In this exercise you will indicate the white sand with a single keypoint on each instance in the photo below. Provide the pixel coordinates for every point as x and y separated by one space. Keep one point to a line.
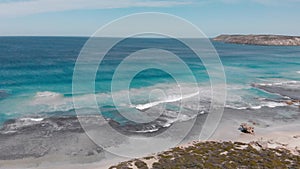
283 134
286 136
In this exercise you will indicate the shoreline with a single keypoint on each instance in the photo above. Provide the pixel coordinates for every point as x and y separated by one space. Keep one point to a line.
272 128
283 137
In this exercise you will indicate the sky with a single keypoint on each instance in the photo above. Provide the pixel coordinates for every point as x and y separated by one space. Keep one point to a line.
84 17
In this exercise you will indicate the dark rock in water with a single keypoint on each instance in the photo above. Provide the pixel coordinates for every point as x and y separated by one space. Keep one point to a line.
276 40
63 135
3 94
51 124
288 89
146 129
38 137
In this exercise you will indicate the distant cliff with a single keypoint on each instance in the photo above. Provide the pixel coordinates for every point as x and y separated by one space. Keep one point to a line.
276 40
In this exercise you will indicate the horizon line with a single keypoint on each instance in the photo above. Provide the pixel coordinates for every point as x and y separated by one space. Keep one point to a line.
152 37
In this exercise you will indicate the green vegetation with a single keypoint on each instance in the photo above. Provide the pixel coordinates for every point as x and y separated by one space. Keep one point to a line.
140 164
149 157
223 155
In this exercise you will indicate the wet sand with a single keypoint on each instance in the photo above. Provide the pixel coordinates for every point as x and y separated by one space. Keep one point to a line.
70 147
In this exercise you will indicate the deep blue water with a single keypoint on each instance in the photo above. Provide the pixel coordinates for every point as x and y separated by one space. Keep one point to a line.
36 73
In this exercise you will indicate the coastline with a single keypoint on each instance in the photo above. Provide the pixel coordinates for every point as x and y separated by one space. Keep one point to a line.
270 130
52 140
281 137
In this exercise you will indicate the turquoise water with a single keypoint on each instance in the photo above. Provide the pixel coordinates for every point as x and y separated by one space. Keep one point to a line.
36 75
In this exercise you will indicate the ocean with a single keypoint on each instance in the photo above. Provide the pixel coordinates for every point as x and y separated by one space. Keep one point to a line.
36 79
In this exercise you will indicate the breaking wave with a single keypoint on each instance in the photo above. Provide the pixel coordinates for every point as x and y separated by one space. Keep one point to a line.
270 104
168 100
47 94
239 97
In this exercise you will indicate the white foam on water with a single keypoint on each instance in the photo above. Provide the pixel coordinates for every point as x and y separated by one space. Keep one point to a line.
47 94
237 98
47 98
148 131
235 107
279 83
202 112
168 100
298 72
8 132
32 119
50 101
274 104
263 103
23 122
256 107
180 117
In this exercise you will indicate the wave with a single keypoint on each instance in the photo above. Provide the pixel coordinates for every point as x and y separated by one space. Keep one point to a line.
48 102
298 72
14 125
171 99
239 97
47 94
147 131
275 104
265 103
30 124
31 119
43 102
280 83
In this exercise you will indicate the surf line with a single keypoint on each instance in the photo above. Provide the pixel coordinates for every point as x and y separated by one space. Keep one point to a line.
142 107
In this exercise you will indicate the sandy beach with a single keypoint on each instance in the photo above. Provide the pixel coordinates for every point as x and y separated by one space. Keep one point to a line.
161 84
272 130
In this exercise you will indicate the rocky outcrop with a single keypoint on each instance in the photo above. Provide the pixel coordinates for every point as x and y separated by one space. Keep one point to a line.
247 128
52 136
271 40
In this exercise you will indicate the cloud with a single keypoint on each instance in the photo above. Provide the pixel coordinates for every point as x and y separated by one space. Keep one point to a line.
276 2
9 8
263 2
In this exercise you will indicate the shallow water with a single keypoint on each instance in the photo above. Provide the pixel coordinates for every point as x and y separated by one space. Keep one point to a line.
36 79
